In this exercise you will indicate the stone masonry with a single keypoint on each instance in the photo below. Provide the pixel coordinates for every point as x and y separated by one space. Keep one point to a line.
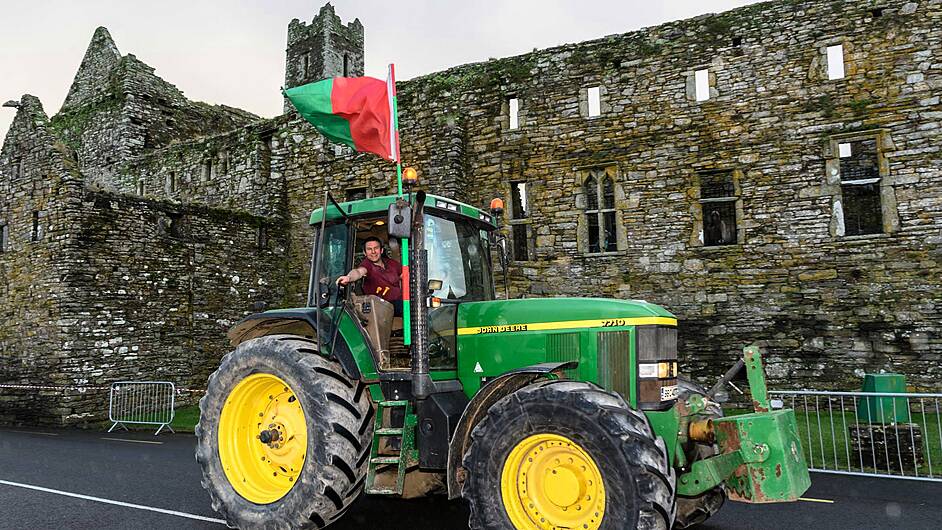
770 174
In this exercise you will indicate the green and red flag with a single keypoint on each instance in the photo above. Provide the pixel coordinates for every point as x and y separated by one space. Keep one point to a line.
355 111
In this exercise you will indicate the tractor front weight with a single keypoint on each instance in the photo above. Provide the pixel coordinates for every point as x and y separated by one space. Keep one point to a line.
760 456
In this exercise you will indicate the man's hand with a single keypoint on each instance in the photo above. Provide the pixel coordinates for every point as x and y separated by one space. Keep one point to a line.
344 280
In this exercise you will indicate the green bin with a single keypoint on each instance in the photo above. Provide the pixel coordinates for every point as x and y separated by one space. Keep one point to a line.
883 409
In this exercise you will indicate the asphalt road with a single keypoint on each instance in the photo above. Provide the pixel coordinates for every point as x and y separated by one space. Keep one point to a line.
121 480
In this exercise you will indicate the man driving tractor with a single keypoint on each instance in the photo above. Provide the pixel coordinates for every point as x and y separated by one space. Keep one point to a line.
383 275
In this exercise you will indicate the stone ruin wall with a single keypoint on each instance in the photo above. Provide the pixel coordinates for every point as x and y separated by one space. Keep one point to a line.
234 171
825 307
154 286
35 203
116 286
117 109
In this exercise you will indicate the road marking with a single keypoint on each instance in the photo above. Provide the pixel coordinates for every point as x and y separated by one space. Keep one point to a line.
132 441
116 503
809 499
36 432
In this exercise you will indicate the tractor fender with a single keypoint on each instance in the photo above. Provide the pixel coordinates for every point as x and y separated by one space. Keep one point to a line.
491 393
301 322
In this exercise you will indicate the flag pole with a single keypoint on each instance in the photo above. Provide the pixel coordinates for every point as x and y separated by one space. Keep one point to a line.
394 126
404 244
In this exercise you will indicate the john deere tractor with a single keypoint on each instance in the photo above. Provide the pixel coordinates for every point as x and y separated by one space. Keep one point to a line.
540 413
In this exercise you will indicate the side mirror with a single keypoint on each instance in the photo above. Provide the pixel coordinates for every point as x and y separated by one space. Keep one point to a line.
400 219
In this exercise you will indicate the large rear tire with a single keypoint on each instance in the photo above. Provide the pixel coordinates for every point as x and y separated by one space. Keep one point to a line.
284 436
566 454
692 511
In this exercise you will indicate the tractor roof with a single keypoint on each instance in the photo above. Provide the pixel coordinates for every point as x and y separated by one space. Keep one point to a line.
375 205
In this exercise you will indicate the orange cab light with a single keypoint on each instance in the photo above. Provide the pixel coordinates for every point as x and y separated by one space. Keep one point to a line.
410 175
497 204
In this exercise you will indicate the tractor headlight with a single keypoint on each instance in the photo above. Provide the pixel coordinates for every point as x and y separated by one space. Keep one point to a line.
656 350
661 370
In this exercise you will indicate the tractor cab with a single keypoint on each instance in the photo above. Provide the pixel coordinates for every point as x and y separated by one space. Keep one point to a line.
457 240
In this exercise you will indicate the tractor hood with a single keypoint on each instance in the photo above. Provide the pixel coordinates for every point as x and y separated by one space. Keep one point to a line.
503 335
542 314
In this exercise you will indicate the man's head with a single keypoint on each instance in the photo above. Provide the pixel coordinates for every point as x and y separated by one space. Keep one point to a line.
373 248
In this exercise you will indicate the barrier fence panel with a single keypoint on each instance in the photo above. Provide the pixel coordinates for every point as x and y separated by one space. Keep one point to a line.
142 402
884 434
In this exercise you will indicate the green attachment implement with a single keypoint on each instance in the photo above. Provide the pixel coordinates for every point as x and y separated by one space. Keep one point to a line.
755 373
760 456
405 456
774 468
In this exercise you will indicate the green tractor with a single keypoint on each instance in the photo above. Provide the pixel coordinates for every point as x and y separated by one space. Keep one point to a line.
540 413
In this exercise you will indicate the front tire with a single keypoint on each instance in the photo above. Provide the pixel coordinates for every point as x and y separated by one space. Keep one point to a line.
284 436
567 454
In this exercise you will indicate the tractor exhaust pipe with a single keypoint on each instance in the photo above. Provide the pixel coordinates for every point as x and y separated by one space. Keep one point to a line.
422 385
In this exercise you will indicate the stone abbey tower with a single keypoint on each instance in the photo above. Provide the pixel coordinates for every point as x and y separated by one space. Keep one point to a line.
323 49
771 174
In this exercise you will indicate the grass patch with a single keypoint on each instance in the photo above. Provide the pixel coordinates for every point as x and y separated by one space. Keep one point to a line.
186 418
828 444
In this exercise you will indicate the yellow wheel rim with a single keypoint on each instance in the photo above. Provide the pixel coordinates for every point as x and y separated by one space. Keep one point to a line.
548 481
262 438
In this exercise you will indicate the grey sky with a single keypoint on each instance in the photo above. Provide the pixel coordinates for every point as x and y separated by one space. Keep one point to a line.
232 52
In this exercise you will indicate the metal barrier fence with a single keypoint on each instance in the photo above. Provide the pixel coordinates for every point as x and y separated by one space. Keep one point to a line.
896 435
142 402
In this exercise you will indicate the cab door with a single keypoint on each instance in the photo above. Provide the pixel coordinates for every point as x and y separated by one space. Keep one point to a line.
331 259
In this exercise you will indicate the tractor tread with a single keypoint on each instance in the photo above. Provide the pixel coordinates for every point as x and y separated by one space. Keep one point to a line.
572 407
334 408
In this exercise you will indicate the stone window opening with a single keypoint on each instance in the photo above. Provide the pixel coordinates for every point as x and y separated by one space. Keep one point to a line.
835 57
36 233
876 12
520 220
355 194
224 163
261 239
594 100
4 237
601 216
264 156
719 204
513 105
17 167
305 66
177 226
140 187
737 41
171 182
863 199
346 65
702 84
860 187
207 170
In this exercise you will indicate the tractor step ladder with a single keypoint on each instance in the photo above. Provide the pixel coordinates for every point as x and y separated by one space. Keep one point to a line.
407 454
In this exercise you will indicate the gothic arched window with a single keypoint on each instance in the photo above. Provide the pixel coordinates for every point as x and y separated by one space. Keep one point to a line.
600 211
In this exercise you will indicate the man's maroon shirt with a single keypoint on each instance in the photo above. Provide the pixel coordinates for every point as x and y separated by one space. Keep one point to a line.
382 282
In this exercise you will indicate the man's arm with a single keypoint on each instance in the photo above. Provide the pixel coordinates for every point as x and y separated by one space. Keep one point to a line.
352 276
